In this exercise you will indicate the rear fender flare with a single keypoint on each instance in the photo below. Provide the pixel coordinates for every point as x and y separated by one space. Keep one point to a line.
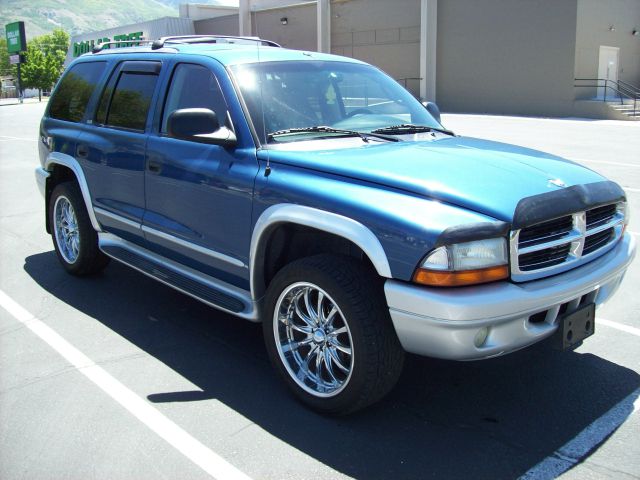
57 158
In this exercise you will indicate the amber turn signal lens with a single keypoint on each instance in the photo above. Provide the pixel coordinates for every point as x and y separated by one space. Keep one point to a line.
459 279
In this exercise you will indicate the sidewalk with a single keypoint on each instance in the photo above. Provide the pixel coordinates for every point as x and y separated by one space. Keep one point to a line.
15 101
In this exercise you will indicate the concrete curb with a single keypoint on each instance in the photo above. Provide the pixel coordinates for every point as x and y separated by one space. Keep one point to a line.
14 101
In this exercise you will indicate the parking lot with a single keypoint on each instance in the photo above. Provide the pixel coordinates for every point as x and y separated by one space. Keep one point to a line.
120 377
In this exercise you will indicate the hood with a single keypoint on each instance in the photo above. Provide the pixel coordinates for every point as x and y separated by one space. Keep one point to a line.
480 175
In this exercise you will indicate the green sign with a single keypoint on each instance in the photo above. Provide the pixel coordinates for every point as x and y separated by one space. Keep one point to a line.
16 39
83 47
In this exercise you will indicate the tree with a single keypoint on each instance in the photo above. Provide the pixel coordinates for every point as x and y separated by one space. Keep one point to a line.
45 60
35 73
57 41
6 69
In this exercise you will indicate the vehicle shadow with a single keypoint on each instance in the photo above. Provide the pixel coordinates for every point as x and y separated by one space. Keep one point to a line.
492 419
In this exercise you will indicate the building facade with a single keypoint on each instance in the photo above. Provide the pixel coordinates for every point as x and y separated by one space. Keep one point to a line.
522 57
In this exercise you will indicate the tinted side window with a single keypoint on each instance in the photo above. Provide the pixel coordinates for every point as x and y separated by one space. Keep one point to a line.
72 95
194 86
131 100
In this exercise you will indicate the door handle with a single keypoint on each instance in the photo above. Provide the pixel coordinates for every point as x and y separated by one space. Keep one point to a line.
154 167
82 151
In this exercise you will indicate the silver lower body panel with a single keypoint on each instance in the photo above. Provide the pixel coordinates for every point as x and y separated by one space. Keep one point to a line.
209 290
447 322
41 179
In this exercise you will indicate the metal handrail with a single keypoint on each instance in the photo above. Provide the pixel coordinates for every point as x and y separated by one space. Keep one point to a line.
597 85
630 92
629 86
624 91
403 81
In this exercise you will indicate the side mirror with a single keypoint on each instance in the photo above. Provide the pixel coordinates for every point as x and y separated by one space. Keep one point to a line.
433 109
199 125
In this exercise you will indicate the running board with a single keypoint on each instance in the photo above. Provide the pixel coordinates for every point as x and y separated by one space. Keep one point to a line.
205 288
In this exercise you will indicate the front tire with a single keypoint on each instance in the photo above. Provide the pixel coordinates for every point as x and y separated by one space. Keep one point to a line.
328 333
74 239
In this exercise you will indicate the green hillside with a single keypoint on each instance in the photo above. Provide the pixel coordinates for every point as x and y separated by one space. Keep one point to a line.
78 16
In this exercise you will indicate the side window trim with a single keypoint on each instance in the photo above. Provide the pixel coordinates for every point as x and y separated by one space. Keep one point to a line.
110 84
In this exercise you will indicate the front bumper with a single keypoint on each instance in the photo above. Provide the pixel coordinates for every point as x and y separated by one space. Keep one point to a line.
445 322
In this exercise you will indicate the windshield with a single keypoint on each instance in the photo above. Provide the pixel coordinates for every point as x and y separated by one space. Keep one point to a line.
282 96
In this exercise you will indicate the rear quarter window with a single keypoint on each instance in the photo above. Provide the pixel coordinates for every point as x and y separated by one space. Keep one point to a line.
69 102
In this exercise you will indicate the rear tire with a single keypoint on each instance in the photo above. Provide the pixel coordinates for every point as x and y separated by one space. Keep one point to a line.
328 333
74 239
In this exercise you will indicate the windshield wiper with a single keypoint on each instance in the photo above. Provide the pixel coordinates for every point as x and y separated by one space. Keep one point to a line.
324 129
407 128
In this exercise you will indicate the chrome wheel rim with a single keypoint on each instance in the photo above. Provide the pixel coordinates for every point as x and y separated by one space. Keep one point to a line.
313 339
66 229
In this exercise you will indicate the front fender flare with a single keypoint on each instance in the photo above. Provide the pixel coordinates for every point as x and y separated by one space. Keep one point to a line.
336 224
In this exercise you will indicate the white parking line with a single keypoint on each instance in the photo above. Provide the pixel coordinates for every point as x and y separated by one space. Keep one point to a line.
5 137
175 436
573 452
619 326
604 162
586 122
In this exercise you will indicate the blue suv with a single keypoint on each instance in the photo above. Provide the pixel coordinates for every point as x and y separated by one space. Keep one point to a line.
314 194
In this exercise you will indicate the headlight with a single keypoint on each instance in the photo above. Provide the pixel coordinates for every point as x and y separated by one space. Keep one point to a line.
467 263
623 209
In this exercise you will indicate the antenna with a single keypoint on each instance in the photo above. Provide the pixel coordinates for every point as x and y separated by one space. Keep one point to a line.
267 170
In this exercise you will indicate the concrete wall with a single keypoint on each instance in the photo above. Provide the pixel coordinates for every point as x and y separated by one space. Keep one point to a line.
196 11
299 33
506 56
227 25
360 29
382 32
593 22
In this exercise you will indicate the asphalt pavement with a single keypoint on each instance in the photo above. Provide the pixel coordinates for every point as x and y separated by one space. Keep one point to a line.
119 377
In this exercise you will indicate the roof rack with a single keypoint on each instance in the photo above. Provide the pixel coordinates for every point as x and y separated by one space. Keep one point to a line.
189 39
98 48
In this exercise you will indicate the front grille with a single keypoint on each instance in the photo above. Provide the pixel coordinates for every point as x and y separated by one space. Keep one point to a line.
558 244
544 258
546 231
597 240
601 215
